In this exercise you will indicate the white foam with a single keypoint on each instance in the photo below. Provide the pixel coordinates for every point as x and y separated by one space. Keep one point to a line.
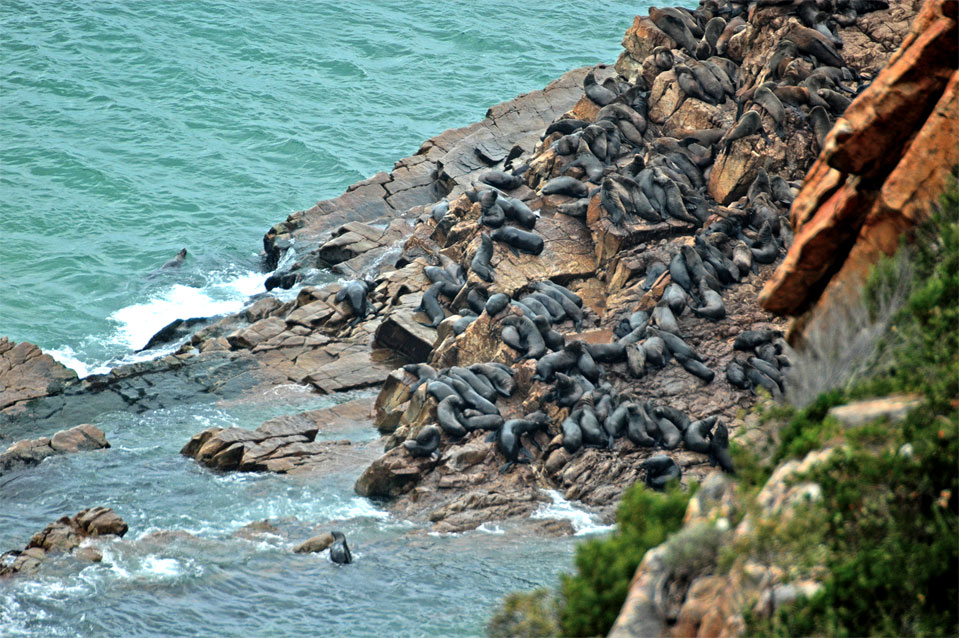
139 322
68 357
490 528
583 522
162 567
224 293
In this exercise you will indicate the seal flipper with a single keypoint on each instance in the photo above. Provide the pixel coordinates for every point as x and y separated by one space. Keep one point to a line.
506 467
528 456
491 437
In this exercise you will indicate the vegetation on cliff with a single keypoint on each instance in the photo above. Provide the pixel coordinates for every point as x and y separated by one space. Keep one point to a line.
886 529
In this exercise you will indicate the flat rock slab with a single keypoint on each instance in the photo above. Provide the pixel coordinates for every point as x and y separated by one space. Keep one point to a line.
288 443
30 452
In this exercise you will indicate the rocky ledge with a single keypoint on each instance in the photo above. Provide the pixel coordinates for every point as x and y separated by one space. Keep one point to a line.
63 536
32 451
561 296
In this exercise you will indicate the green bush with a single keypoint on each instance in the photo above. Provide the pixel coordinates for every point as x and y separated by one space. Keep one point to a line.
593 596
525 615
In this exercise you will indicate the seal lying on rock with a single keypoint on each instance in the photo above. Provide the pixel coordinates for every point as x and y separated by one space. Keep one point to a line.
426 442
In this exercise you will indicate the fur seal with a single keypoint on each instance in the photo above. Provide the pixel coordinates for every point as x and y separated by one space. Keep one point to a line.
176 262
517 211
447 418
636 360
713 307
568 392
698 434
593 434
483 422
480 264
695 367
636 430
653 272
660 470
597 92
565 127
664 319
736 375
565 185
439 390
501 379
764 249
575 209
670 436
674 26
607 352
519 240
749 339
479 383
773 106
354 293
655 351
528 332
425 443
719 449
572 434
430 305
554 340
339 550
471 397
496 304
555 362
439 210
501 179
749 124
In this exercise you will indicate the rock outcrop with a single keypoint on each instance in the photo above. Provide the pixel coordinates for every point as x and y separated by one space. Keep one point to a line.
32 451
284 444
26 373
65 535
885 161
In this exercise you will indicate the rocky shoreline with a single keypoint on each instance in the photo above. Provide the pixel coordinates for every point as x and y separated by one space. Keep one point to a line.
682 158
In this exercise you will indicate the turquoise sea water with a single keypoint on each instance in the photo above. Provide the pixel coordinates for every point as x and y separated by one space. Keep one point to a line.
129 130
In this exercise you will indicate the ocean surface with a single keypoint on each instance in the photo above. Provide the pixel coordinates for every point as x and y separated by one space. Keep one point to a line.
130 130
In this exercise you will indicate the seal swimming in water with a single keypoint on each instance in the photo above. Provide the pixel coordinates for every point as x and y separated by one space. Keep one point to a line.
339 550
176 262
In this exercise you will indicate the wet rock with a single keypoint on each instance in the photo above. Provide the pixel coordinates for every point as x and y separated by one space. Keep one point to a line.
30 452
392 474
62 536
282 444
26 373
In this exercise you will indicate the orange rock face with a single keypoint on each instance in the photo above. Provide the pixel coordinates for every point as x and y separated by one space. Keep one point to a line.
883 163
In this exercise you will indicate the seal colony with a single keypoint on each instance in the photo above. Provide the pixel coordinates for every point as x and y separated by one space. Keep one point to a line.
574 277
631 172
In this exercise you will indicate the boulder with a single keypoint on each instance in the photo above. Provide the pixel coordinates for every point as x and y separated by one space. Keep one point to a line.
30 452
26 373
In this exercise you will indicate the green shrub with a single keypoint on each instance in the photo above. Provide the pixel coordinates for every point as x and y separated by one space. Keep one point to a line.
593 596
889 514
525 615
